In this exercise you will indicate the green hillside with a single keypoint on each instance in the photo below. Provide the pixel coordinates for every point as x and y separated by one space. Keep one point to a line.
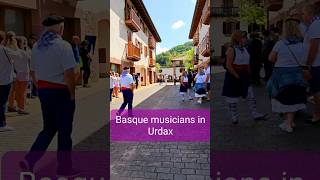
183 50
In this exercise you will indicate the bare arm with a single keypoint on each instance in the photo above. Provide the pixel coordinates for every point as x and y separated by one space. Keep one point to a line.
132 86
273 56
314 47
230 57
69 78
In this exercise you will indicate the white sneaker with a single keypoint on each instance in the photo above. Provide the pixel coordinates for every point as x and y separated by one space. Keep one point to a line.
6 128
285 127
200 101
190 98
182 99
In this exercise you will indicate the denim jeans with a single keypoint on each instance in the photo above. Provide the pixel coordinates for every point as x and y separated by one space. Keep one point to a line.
4 95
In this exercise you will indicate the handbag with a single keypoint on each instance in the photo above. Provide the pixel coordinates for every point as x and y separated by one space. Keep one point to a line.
304 68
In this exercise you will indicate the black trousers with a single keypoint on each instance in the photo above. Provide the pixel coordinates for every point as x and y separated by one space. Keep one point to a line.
4 95
127 100
86 75
58 113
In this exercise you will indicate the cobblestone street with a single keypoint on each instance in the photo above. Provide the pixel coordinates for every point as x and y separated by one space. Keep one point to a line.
165 160
262 136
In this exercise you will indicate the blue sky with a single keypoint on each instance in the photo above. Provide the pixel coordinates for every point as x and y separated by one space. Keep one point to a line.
172 19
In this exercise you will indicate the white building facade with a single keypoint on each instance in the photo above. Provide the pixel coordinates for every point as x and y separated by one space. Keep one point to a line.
133 38
200 31
225 15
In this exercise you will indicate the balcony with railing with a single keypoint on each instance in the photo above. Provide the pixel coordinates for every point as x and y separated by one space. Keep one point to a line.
133 53
225 11
196 38
152 62
152 42
206 13
132 20
204 46
273 5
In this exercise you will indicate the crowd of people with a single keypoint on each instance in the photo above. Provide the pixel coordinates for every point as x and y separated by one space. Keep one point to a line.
16 83
198 81
291 62
50 66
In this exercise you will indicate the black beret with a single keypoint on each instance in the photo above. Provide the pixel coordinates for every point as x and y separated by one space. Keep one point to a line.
52 20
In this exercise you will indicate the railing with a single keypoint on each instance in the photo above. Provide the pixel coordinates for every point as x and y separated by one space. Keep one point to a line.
206 13
273 5
132 19
133 52
152 62
205 45
152 42
225 11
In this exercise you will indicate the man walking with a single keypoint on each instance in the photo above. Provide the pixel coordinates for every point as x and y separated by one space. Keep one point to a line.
52 67
311 19
127 87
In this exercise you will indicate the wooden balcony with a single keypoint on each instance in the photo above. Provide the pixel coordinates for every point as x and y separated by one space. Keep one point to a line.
133 53
152 62
196 38
204 46
273 5
225 11
132 20
206 13
152 42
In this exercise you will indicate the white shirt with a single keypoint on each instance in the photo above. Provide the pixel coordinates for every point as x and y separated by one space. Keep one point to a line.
50 63
208 73
312 32
6 65
21 65
201 78
126 80
242 57
185 79
111 82
285 58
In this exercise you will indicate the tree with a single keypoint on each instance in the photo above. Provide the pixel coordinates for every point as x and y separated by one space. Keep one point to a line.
252 13
188 61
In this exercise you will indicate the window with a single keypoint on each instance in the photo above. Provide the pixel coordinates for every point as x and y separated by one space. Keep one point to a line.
140 46
230 27
14 21
228 3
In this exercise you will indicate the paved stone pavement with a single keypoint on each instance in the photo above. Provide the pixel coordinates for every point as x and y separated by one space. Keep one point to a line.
165 160
250 135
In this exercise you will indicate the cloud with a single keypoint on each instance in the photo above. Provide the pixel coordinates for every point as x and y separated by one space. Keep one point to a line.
177 24
161 50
